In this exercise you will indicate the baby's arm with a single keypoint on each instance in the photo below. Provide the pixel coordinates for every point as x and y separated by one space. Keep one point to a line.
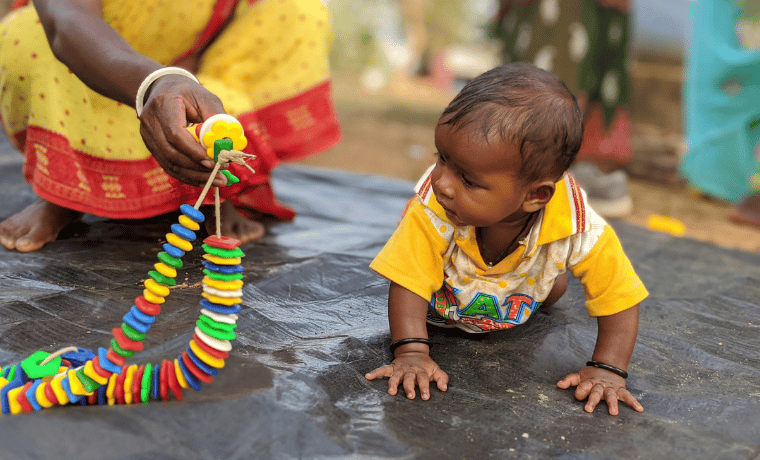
411 365
614 346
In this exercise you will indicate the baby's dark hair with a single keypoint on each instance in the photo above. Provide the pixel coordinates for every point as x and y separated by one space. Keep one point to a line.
527 106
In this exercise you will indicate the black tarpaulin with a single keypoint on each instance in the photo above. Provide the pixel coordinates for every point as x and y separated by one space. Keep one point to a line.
313 323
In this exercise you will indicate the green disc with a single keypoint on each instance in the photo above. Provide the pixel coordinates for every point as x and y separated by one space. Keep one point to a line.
89 384
120 351
169 260
34 370
132 333
223 276
226 253
162 279
231 178
145 385
215 333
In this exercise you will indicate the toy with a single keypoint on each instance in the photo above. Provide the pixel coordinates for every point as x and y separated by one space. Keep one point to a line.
75 375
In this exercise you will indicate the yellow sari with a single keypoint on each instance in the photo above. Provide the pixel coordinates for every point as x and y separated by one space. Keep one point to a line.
269 66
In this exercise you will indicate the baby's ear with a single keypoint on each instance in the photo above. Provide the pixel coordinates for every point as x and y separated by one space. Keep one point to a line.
539 193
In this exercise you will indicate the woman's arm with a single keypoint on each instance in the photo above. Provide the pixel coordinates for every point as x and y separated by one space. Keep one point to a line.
92 49
105 62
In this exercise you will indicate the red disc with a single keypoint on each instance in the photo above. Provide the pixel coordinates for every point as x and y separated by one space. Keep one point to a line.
195 370
26 406
163 387
149 308
115 358
210 350
92 399
222 243
50 394
99 370
125 342
118 390
137 384
173 383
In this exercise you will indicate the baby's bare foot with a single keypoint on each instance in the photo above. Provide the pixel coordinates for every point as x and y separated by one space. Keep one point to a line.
234 224
35 226
747 211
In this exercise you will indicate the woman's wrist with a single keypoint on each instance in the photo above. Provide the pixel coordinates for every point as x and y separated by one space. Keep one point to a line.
151 78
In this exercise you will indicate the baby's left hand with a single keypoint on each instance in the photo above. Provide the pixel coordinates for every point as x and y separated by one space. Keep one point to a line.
595 384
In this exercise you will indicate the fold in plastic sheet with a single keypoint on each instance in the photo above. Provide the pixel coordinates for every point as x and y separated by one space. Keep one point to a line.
314 322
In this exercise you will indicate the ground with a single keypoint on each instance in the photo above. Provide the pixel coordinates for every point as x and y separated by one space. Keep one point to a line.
390 133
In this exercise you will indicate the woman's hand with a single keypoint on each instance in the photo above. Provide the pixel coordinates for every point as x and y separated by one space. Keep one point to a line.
171 103
412 368
597 384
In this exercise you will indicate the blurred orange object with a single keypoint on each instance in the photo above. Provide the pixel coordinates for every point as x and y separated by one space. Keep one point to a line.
664 224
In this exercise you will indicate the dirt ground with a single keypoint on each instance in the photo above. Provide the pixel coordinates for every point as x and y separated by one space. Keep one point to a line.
390 133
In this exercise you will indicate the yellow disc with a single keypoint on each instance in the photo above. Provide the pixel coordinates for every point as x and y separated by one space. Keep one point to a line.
3 382
181 243
60 393
221 129
189 223
152 298
222 260
76 386
157 289
110 389
205 357
228 301
12 396
128 383
42 399
165 270
89 371
232 285
180 376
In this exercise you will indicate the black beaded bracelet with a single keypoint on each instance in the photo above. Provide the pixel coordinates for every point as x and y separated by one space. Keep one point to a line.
398 343
607 367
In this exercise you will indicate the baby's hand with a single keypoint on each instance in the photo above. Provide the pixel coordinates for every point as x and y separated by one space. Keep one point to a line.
595 384
413 369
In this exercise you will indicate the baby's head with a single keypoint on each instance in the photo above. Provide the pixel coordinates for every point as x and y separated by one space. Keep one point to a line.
512 130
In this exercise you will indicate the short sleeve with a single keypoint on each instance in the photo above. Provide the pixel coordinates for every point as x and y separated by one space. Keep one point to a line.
413 256
606 273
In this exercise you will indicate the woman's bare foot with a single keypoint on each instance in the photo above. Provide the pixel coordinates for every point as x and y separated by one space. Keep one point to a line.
747 211
35 226
234 224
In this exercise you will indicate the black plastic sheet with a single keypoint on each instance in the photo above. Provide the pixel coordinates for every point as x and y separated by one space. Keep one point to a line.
314 323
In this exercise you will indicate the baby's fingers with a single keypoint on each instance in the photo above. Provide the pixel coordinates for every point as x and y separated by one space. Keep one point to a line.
626 396
383 371
570 380
441 378
594 395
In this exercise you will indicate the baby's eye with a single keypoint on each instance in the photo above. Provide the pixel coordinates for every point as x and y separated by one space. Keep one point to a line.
440 157
467 182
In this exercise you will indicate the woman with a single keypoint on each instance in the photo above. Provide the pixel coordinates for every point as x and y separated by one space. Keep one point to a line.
71 70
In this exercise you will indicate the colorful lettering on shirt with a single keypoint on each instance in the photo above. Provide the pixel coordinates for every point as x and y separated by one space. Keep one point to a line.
484 311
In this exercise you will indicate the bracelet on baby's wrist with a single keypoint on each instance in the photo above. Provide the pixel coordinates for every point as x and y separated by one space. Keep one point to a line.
609 368
401 342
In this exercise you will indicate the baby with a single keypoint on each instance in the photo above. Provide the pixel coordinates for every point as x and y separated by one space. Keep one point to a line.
492 230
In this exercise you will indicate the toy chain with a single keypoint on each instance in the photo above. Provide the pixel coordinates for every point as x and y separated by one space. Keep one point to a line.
80 376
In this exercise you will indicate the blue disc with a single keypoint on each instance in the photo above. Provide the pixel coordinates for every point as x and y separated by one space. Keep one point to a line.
31 395
225 269
67 388
201 365
182 232
219 308
154 390
173 251
106 363
130 320
142 317
191 379
79 357
192 213
102 398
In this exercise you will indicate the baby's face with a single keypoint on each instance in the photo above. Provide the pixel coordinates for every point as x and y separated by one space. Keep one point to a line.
476 180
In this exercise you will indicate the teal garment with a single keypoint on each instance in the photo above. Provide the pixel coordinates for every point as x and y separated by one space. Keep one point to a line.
721 104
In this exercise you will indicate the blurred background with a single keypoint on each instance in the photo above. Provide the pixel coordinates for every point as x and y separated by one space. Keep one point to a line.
397 63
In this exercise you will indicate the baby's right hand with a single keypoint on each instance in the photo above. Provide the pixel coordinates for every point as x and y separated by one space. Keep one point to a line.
413 368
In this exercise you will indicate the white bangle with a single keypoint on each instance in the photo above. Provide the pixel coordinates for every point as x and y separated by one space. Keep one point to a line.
139 100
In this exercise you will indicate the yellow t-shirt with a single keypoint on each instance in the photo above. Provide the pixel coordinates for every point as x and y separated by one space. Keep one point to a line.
431 257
